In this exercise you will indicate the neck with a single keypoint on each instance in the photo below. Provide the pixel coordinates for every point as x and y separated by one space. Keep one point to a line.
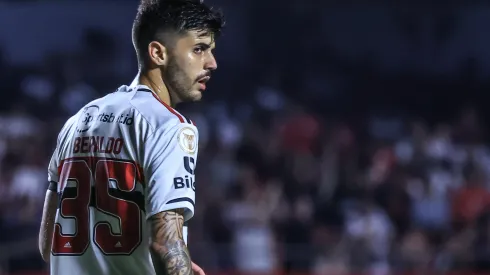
152 78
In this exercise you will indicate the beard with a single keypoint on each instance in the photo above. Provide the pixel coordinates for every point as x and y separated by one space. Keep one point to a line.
179 84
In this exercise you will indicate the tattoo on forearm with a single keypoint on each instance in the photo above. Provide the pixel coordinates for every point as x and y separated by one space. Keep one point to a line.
169 252
177 260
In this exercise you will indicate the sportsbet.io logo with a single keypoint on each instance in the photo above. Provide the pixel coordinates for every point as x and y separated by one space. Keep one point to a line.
87 118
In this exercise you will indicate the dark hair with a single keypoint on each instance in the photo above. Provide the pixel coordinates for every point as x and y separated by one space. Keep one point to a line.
156 17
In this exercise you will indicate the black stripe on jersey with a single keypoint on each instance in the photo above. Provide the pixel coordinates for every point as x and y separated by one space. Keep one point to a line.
181 200
144 90
149 91
186 223
136 197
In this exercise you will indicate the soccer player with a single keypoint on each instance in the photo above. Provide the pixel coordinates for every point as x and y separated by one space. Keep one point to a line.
121 179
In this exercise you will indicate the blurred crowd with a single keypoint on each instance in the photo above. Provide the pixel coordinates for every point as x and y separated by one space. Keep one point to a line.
278 186
282 184
299 193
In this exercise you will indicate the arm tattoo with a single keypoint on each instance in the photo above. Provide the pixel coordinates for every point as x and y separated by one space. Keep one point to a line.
169 252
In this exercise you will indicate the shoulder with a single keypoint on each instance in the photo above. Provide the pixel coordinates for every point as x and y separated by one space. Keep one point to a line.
185 136
157 114
69 124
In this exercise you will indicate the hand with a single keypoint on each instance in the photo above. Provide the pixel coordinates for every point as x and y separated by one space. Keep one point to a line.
197 270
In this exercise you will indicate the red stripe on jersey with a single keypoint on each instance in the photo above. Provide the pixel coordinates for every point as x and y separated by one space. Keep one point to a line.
172 110
192 121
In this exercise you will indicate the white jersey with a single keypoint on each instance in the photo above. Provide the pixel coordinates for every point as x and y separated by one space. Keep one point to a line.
121 159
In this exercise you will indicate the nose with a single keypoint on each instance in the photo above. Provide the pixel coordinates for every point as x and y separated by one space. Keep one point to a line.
211 63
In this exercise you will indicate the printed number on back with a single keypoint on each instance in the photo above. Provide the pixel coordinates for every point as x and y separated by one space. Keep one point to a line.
108 187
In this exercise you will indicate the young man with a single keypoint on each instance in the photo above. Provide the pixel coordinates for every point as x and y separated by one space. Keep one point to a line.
122 174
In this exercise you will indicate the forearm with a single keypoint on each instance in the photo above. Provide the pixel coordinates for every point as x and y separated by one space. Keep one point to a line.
169 252
47 224
171 259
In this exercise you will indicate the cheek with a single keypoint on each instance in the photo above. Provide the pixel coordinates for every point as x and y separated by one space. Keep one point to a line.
186 65
190 60
195 63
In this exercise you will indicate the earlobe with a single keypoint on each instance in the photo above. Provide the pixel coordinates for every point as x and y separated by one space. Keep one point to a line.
157 53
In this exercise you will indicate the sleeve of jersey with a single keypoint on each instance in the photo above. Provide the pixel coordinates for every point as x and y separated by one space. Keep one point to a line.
53 175
171 157
54 163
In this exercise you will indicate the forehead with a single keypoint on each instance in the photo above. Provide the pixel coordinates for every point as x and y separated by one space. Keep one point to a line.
195 37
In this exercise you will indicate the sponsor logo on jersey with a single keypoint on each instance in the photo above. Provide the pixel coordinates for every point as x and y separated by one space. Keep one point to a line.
126 119
86 119
187 140
190 164
187 181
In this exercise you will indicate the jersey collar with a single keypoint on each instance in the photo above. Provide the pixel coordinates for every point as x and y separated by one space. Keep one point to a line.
136 86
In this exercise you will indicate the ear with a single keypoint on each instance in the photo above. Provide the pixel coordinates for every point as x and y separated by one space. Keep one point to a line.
157 53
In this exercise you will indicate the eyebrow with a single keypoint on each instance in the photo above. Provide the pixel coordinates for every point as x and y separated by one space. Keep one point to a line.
206 34
204 45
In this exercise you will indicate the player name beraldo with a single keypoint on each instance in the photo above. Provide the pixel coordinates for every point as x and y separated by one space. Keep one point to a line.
98 144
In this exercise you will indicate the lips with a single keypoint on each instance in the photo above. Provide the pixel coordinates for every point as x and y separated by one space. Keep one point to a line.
204 79
202 82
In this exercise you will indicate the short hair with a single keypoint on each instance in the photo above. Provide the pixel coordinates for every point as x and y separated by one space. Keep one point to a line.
156 17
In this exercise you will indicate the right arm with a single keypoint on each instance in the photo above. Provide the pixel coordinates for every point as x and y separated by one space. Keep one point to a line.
170 166
168 250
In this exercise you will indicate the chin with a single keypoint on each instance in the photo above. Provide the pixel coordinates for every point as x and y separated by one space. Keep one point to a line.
193 96
196 95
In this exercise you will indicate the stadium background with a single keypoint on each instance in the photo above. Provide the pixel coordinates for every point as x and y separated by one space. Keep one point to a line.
335 138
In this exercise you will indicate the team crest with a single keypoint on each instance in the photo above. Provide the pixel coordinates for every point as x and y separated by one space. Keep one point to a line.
187 140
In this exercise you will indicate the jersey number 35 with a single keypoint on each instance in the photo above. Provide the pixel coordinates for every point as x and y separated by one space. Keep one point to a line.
106 189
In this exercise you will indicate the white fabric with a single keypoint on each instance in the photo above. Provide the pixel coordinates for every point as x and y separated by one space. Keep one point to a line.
157 146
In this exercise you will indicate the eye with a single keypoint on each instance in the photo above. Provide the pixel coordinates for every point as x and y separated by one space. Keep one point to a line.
198 50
